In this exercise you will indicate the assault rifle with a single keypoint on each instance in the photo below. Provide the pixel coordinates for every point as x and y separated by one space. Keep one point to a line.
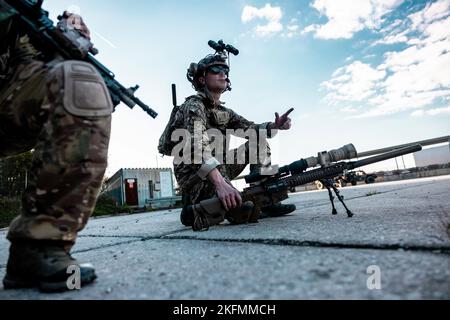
67 42
272 189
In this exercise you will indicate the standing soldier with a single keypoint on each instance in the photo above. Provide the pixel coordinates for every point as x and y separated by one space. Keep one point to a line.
62 110
205 111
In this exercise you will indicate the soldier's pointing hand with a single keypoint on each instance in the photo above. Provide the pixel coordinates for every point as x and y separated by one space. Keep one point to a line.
283 122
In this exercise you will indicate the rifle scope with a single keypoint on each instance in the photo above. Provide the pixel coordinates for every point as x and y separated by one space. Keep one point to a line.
323 159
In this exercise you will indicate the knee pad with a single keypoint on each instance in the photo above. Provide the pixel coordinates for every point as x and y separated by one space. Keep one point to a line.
84 92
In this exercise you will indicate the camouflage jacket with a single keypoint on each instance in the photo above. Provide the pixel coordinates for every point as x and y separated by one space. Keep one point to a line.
199 113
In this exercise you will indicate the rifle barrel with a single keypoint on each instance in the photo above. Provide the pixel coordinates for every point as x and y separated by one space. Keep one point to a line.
423 143
387 156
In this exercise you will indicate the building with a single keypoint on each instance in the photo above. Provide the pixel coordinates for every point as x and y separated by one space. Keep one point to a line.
433 156
143 187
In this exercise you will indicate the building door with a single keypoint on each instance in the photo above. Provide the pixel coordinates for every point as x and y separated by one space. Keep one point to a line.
150 189
131 192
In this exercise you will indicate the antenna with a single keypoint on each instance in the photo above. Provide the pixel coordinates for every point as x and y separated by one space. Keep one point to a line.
174 95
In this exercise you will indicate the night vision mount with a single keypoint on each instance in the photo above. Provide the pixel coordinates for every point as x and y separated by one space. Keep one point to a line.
222 48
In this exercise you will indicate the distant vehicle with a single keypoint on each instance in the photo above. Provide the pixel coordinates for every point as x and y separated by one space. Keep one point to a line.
351 177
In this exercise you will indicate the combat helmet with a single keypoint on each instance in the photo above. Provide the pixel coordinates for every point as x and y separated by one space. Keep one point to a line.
220 58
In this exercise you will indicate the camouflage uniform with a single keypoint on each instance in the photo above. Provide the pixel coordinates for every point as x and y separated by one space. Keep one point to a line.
192 178
62 110
206 122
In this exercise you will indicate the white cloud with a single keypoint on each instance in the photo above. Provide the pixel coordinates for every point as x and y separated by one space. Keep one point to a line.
394 102
432 112
432 12
292 30
417 77
346 17
272 15
392 39
268 29
354 82
310 28
369 56
268 12
424 21
418 113
391 26
349 110
438 30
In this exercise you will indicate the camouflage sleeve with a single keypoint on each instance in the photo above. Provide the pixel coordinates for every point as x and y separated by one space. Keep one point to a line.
195 124
239 122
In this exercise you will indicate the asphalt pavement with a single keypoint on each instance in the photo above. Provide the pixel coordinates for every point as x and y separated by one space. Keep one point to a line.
397 246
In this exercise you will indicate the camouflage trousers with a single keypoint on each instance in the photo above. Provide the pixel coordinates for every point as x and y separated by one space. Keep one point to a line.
70 149
195 190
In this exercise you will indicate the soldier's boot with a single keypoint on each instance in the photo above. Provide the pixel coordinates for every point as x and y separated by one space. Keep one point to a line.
277 210
187 217
46 265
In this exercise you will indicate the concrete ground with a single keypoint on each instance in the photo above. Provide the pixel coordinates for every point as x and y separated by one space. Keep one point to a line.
400 229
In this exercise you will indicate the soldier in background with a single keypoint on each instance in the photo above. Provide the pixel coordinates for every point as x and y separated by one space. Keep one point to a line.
212 178
62 110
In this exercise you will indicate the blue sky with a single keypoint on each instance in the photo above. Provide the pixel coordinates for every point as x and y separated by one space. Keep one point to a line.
372 73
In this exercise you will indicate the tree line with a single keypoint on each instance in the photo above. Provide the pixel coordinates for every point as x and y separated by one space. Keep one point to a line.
14 175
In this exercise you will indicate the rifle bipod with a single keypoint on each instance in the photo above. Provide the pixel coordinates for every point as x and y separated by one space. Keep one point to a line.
329 184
